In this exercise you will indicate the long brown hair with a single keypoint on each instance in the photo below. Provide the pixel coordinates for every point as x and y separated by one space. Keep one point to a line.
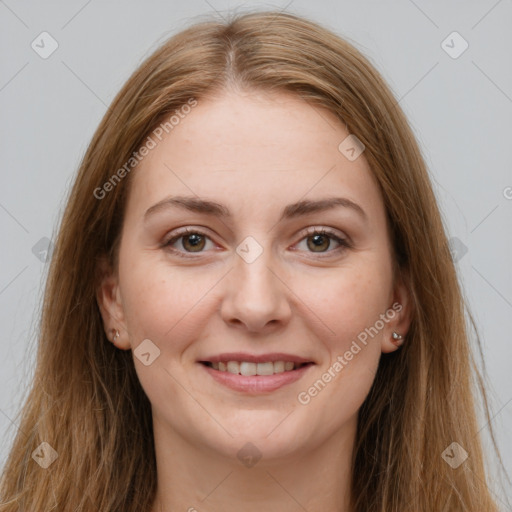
85 400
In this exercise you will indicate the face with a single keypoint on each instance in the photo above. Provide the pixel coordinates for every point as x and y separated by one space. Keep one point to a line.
253 279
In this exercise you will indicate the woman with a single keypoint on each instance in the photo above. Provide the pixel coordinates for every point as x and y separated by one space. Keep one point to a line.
252 303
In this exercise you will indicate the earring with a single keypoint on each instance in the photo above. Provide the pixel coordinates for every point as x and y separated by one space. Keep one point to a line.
397 339
115 333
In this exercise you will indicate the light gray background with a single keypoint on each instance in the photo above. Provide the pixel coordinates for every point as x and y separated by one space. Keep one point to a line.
460 110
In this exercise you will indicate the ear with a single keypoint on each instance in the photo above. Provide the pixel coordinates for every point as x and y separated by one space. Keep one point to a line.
400 314
109 302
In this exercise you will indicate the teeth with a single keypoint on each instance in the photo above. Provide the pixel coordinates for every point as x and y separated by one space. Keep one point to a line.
279 367
265 369
246 368
233 367
288 366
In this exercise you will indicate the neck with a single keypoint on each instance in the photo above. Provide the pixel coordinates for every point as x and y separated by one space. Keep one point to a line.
195 478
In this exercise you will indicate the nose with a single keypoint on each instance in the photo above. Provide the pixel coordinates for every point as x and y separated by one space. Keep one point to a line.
257 296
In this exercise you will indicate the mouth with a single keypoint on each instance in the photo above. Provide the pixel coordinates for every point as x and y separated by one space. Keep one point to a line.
248 368
256 374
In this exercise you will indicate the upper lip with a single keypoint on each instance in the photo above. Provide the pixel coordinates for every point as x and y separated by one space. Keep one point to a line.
255 358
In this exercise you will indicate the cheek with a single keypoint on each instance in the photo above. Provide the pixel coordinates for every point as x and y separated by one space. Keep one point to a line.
350 304
347 300
166 306
163 303
151 306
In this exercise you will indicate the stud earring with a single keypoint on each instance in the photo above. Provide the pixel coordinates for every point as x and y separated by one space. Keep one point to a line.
397 339
115 333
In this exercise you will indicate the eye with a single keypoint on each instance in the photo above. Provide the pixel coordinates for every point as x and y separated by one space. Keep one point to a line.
320 240
193 241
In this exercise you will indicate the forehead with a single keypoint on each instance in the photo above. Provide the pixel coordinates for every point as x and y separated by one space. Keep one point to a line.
249 149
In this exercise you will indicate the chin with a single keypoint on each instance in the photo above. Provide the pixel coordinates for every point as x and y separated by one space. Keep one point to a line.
269 441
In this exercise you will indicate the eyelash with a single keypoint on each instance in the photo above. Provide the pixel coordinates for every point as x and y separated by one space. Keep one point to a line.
344 243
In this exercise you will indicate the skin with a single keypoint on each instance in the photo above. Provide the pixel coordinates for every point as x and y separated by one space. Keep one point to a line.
255 153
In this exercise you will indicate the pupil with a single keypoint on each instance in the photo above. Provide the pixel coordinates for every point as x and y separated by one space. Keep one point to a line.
193 241
319 240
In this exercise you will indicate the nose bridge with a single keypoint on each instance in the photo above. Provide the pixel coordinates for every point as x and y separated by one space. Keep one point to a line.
255 295
254 257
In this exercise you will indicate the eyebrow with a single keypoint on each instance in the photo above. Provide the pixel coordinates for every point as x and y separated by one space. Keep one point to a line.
298 209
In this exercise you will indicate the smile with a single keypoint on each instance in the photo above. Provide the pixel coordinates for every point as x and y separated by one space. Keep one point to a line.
257 376
248 368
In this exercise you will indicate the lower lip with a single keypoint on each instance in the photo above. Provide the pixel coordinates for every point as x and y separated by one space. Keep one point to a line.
256 383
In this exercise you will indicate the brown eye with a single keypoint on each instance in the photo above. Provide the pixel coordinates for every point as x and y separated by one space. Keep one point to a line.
187 242
194 242
318 241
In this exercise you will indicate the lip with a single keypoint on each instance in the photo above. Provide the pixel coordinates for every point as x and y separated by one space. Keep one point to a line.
253 358
256 384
